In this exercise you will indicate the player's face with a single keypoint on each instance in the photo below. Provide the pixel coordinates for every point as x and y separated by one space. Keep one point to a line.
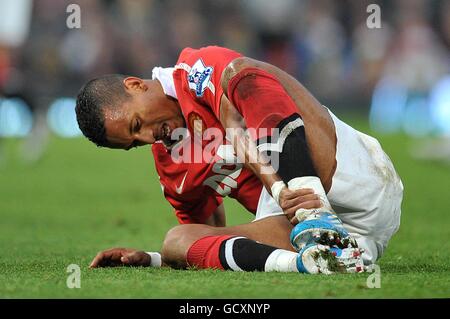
146 117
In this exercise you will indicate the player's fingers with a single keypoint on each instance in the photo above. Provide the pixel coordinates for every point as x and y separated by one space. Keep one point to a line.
291 194
113 257
309 204
113 254
289 214
306 198
136 258
110 257
287 204
294 220
130 259
96 261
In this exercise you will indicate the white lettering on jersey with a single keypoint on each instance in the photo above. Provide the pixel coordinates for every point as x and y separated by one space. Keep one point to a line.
225 179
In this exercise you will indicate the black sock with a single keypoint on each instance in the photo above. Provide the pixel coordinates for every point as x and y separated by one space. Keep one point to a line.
239 253
294 160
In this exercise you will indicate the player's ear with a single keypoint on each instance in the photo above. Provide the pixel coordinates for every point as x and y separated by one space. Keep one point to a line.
134 83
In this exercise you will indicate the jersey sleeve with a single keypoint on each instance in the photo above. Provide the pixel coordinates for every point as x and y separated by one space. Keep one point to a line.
195 211
203 71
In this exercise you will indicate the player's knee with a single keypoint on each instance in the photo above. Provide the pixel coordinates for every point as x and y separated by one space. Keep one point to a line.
177 242
175 246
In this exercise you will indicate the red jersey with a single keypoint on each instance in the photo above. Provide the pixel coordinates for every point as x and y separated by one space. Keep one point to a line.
197 78
196 189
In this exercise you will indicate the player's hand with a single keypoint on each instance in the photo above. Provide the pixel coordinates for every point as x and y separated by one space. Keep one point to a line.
120 257
292 200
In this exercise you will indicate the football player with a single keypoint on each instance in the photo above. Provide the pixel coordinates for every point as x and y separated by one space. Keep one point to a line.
294 159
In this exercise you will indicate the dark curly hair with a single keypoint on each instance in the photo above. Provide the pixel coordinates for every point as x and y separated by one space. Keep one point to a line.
94 96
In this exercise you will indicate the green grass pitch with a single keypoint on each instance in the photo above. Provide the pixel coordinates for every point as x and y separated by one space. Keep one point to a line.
78 200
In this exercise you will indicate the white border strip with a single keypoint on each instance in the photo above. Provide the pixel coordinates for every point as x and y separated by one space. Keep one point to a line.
229 254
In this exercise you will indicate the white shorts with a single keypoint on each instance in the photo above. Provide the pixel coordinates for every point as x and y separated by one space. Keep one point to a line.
366 191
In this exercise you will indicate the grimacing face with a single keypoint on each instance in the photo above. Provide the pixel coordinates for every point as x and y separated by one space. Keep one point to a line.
146 117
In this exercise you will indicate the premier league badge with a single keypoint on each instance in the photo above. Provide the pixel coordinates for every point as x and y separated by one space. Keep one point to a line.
199 77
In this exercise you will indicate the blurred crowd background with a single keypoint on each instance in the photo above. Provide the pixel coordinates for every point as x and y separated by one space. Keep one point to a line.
398 75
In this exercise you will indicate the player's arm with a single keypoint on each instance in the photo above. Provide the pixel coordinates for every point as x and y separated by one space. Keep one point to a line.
245 148
126 257
319 126
307 105
243 144
139 258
